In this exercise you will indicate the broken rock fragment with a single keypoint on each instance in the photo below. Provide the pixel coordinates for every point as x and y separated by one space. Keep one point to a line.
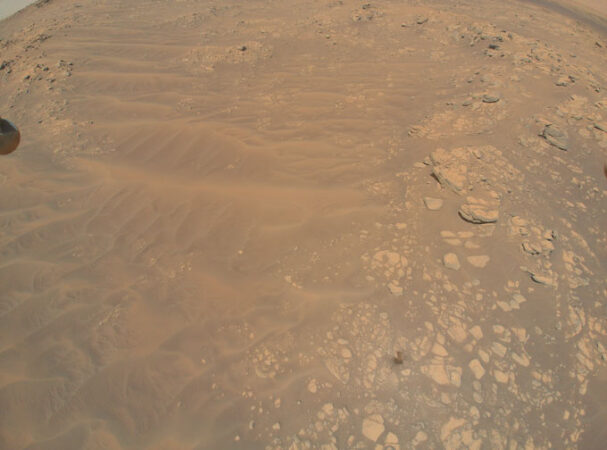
556 137
373 427
479 261
449 169
451 261
478 211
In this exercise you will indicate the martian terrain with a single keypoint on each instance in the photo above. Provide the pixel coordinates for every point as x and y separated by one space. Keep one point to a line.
304 224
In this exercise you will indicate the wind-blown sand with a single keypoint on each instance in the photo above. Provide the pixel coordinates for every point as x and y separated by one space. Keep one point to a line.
226 218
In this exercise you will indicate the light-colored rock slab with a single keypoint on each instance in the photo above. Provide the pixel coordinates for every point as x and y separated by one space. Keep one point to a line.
451 425
449 172
395 289
479 261
391 440
373 427
500 377
478 211
499 349
477 369
420 437
451 261
433 204
437 372
439 350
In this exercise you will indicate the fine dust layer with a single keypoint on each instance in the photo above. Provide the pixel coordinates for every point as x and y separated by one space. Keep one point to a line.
303 224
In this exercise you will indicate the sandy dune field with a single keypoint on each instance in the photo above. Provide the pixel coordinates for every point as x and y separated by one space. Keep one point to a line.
303 224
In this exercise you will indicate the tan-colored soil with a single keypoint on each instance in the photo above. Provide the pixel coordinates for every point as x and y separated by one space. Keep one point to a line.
303 224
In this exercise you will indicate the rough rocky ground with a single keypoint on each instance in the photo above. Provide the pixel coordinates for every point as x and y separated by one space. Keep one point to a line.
303 224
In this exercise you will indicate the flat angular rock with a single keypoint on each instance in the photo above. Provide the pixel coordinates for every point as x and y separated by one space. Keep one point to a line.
500 377
395 289
373 427
477 369
451 261
449 169
437 372
448 428
556 137
479 261
545 279
477 212
531 248
451 177
391 440
542 279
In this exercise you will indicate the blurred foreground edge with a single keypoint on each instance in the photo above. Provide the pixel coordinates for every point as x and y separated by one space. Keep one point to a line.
9 137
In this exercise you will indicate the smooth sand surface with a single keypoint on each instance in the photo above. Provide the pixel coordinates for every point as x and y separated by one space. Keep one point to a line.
226 218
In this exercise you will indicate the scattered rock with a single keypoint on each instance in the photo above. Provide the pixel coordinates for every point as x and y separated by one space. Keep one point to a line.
556 137
477 369
421 20
312 386
448 170
601 126
500 376
419 438
542 279
457 332
521 359
499 349
433 204
479 261
439 350
477 332
491 98
450 426
513 304
391 440
451 261
478 211
373 427
395 289
399 357
531 248
437 372
518 298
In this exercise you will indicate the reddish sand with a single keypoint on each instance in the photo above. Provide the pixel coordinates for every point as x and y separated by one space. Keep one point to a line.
225 219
